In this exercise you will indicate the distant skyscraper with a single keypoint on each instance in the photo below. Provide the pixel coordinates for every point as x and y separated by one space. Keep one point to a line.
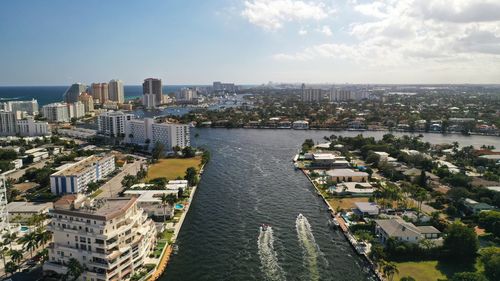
30 106
153 86
116 92
88 102
73 92
311 95
100 91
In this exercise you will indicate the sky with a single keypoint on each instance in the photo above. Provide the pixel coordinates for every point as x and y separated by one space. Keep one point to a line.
59 42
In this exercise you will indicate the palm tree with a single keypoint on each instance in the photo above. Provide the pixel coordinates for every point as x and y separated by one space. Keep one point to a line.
75 269
8 238
29 242
167 199
3 253
390 269
42 237
11 267
16 256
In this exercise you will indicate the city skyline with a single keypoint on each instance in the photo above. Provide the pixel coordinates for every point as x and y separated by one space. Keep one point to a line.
251 42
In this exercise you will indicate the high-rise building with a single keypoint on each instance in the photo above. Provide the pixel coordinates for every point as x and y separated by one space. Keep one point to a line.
100 92
116 92
76 110
74 178
149 101
311 95
88 102
111 238
147 132
112 123
153 86
340 95
11 124
188 94
73 92
29 106
224 87
56 112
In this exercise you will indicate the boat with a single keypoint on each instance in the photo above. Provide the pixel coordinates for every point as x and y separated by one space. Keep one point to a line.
264 227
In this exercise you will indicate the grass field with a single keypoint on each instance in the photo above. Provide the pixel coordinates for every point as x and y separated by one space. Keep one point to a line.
346 203
430 270
172 168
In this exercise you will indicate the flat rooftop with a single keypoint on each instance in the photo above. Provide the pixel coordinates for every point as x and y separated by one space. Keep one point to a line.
78 167
152 196
28 207
100 209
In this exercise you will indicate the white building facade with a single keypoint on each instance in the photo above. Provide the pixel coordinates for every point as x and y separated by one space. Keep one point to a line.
56 112
147 132
75 177
110 238
112 123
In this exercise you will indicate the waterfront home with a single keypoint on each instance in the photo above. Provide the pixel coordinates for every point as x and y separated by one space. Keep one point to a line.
346 175
150 202
366 209
384 156
352 189
404 231
329 160
452 168
476 207
300 125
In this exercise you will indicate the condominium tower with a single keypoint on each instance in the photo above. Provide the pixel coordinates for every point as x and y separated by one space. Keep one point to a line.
116 92
153 86
73 92
111 238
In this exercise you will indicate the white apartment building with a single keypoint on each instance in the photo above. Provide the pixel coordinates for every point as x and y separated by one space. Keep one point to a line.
29 106
147 132
12 124
75 177
56 112
112 123
111 238
76 110
312 95
116 92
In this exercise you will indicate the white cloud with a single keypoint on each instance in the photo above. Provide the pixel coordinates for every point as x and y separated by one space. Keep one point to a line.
272 14
302 31
326 30
408 34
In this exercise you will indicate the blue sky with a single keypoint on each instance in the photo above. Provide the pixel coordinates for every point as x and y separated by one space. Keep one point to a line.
250 41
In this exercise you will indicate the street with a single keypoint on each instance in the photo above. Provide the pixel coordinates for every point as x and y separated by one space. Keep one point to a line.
114 186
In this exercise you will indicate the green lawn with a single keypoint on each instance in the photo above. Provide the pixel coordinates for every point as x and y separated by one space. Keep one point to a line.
429 270
172 168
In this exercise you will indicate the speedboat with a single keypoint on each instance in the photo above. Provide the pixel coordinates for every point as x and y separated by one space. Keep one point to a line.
264 227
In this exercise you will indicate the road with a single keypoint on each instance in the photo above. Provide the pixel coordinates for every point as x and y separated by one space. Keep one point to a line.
114 186
19 173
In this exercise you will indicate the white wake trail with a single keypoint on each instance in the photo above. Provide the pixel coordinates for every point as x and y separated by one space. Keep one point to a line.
309 247
268 257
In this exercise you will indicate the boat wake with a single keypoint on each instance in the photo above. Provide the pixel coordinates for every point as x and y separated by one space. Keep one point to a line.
312 253
268 257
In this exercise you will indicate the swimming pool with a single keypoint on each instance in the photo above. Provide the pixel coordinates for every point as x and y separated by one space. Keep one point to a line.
24 228
179 206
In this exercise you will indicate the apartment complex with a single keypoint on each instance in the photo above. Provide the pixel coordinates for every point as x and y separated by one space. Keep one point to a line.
74 178
87 101
116 92
28 106
56 112
112 123
147 132
224 87
13 123
4 215
311 95
110 238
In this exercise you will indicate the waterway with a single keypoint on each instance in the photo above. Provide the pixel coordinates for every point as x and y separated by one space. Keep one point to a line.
250 181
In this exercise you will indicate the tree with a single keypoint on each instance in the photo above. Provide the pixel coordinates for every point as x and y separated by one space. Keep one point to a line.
490 257
3 253
75 269
8 238
180 192
16 256
11 267
167 199
188 152
461 242
29 242
363 235
191 176
468 276
158 151
390 269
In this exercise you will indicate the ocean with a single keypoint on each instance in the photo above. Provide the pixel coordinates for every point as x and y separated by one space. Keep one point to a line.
50 94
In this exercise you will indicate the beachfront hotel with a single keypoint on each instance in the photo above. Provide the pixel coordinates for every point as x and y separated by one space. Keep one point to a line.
74 177
110 238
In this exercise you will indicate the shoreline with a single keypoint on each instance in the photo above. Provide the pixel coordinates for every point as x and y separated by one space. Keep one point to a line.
158 271
345 230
